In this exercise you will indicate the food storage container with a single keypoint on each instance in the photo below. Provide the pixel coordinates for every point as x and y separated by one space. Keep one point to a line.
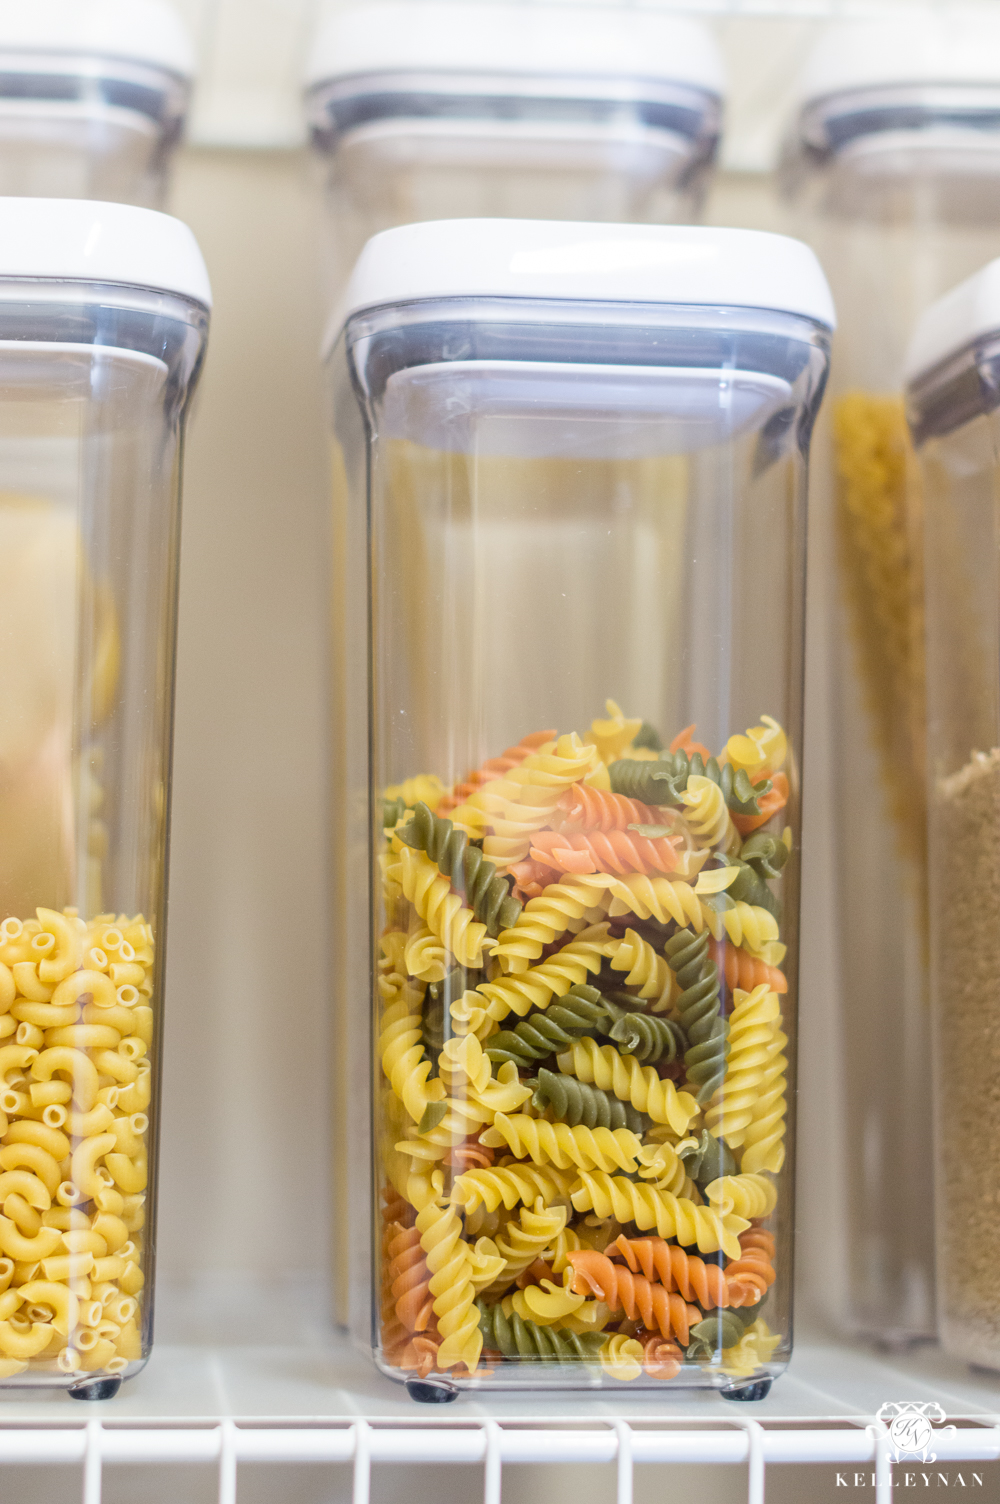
573 463
103 317
93 95
953 399
894 162
425 109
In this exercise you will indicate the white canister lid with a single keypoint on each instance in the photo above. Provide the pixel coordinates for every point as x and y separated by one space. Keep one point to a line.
78 240
536 259
137 31
968 313
440 36
918 48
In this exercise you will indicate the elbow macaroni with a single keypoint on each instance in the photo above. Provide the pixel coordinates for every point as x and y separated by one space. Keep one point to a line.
76 1082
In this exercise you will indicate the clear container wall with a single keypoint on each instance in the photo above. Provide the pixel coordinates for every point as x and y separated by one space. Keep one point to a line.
961 485
75 127
896 220
90 423
392 158
571 862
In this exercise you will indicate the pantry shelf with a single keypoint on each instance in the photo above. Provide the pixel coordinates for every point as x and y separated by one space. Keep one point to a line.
297 1401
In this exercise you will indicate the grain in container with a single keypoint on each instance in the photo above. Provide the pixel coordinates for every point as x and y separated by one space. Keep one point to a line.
574 463
103 319
93 95
425 109
954 410
894 164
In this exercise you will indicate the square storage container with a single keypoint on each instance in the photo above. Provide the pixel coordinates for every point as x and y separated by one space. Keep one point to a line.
571 524
103 318
424 109
953 398
894 164
93 95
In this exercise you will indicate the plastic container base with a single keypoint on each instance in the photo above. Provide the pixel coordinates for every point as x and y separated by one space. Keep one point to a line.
758 1390
96 1389
431 1391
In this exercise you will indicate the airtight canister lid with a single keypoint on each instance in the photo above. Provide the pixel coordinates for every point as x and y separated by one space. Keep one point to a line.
137 31
77 240
966 315
916 49
440 36
528 259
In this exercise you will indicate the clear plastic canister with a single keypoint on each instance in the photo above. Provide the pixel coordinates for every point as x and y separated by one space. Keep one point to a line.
894 160
93 95
433 109
572 546
103 318
954 409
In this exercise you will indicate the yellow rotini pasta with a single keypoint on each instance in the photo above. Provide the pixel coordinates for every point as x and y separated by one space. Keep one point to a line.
442 910
751 1030
535 987
763 1143
526 1239
709 817
604 1067
560 1145
672 1216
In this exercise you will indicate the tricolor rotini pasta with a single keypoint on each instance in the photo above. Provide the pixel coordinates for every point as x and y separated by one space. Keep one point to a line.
582 1061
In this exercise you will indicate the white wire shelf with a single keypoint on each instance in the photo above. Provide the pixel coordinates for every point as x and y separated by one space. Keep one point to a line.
225 1404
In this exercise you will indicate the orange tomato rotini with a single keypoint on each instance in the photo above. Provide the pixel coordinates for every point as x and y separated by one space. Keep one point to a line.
620 1289
496 767
617 851
597 809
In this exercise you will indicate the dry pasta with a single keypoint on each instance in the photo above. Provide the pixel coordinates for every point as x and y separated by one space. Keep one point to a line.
577 1183
75 1079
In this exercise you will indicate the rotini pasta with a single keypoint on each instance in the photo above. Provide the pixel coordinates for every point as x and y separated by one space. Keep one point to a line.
510 1184
449 1261
641 1299
541 1034
616 851
699 1009
603 1066
708 815
526 1240
571 1101
750 1032
472 877
442 910
560 1145
494 767
513 1337
672 1216
707 1285
535 987
583 1104
644 1035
